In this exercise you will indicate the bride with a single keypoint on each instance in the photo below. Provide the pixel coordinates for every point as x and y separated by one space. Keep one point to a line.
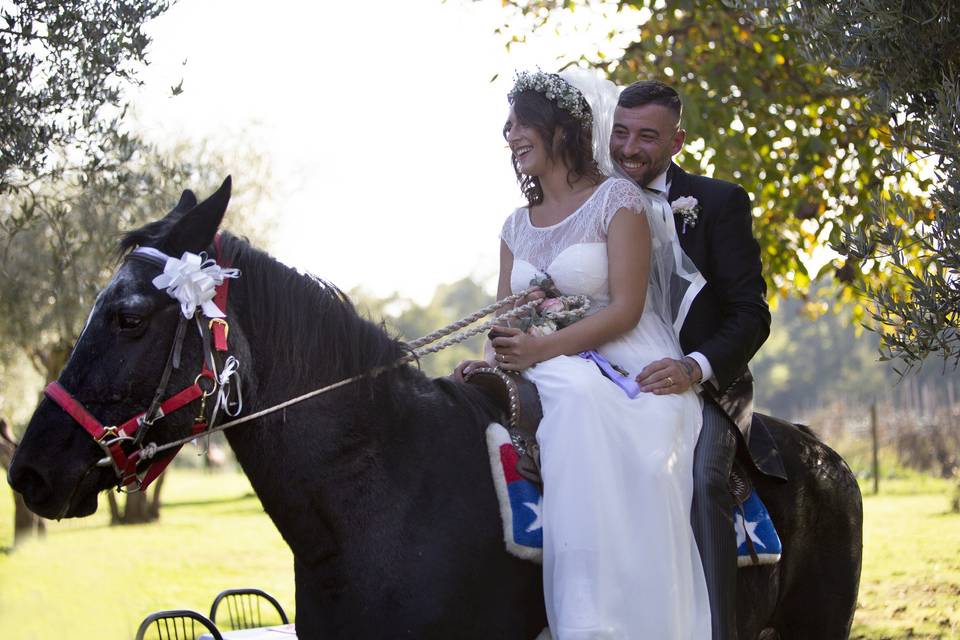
620 561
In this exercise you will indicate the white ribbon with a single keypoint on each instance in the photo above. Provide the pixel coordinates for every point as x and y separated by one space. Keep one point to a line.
193 281
230 370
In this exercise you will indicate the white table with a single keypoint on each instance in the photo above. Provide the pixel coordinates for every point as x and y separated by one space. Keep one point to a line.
281 632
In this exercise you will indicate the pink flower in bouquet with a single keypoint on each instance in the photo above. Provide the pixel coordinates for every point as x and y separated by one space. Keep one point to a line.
551 305
544 329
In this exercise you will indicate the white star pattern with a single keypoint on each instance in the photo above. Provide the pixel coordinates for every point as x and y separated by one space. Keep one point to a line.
748 530
537 508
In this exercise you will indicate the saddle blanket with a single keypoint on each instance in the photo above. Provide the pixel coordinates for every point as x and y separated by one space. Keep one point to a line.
521 504
520 500
755 530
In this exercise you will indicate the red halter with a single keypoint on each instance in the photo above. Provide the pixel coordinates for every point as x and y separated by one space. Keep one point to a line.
112 438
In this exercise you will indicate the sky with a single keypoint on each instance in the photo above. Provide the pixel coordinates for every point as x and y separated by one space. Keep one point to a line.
379 120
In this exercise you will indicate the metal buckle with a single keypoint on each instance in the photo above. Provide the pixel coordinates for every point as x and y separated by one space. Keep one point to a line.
115 435
211 379
107 431
143 422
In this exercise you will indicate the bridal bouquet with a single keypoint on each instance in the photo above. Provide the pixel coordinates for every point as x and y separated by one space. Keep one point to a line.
557 311
553 312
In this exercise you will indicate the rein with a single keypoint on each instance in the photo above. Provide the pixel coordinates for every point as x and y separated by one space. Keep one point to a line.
419 349
112 439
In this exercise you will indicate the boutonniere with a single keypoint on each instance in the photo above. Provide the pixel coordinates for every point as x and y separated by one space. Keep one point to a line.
687 208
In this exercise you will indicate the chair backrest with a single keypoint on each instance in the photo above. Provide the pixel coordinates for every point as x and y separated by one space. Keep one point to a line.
177 624
244 609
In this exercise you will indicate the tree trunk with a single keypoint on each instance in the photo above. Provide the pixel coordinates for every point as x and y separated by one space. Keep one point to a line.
115 517
154 511
26 524
137 508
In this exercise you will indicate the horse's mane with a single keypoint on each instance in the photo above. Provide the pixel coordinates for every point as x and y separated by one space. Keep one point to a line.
307 315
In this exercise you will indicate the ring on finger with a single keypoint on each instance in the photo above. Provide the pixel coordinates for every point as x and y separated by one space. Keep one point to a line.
669 381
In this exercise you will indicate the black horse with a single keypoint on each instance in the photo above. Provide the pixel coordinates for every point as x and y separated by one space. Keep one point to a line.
382 488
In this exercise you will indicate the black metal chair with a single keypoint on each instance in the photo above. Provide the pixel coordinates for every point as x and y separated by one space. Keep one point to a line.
244 610
176 624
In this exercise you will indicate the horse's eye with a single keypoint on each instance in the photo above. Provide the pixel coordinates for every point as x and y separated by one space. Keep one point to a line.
129 321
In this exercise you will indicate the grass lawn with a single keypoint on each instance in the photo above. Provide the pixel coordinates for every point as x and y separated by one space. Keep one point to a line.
910 585
89 580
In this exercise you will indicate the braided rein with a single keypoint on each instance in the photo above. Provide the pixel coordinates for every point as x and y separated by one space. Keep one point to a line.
418 348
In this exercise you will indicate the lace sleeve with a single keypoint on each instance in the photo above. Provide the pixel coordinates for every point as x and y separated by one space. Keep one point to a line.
508 232
622 194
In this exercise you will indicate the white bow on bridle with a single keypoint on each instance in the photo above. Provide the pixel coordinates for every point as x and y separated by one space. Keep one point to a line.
192 280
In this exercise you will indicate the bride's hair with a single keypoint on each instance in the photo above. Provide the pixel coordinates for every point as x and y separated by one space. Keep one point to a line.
574 146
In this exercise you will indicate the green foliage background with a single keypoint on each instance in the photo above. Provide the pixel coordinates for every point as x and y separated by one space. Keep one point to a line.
759 112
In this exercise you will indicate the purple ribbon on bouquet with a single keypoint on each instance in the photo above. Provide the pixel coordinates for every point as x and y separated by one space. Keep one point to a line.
616 375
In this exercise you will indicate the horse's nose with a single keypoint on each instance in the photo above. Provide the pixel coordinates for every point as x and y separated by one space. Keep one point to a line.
30 483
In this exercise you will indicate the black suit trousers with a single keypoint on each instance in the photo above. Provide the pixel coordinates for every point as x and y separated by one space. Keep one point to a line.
712 517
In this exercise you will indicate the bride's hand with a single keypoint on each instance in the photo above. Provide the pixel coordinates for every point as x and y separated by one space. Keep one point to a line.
516 350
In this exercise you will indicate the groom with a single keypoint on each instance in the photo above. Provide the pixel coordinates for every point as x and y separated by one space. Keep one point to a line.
724 328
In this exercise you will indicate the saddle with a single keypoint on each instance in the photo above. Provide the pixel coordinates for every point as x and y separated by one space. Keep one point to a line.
518 401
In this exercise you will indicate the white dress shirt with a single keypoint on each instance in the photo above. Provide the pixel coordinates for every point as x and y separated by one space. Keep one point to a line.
660 184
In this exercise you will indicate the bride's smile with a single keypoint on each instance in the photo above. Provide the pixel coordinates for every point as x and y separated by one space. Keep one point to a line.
521 151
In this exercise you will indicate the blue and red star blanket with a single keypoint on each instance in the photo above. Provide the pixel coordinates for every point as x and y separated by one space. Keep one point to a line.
520 500
521 506
752 523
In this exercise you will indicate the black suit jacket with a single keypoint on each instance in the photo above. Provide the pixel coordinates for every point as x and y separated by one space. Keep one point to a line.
729 319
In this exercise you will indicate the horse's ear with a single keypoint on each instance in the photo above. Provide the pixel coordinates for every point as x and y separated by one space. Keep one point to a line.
188 200
195 230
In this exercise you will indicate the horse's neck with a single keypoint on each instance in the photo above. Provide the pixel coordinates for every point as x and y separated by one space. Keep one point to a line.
323 468
337 472
307 460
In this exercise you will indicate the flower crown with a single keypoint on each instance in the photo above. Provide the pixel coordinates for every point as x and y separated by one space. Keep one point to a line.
554 88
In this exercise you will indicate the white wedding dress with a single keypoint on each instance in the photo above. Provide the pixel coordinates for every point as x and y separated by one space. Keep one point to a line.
620 561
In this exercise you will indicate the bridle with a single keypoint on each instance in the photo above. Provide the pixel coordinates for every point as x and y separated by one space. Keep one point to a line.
137 469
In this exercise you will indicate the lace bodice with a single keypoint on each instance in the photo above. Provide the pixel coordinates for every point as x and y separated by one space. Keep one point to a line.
540 246
573 253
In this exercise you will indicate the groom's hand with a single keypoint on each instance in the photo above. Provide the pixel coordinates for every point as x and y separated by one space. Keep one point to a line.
666 376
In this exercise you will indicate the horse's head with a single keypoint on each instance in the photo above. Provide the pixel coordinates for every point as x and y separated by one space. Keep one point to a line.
115 371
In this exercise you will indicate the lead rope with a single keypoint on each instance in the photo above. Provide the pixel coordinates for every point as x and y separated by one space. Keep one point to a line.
418 348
